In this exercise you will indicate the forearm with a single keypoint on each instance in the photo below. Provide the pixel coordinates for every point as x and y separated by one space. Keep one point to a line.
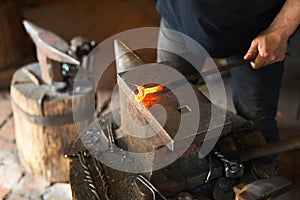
288 18
270 45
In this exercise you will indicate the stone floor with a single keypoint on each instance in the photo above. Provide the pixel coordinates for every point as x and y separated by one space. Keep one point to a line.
90 19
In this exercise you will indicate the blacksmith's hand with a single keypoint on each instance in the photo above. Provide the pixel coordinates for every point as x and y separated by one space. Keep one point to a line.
267 48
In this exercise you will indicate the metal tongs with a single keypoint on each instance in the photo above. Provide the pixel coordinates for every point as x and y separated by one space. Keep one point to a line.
207 73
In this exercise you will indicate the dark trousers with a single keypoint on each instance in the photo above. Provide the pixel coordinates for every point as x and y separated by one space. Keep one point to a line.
255 94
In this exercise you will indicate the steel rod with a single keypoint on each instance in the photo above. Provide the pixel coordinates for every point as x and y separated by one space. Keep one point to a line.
207 73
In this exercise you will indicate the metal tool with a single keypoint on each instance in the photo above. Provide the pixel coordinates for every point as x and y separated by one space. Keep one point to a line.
222 68
110 136
207 73
103 178
210 169
151 187
263 189
232 169
88 177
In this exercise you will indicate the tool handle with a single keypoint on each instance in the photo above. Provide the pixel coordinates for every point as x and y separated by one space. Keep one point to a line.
225 67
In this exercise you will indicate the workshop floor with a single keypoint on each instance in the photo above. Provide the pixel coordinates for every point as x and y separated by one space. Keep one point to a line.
98 20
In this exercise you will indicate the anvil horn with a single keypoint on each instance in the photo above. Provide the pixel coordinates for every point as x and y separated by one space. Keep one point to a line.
51 44
51 52
126 59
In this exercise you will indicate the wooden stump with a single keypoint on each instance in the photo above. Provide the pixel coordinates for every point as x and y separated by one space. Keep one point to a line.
44 125
16 48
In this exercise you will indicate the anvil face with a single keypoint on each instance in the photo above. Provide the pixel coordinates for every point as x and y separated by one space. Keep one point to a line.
156 121
145 127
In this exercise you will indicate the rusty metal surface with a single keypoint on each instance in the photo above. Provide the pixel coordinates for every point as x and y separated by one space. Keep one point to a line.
131 109
126 59
185 173
51 52
188 172
108 183
271 149
123 185
264 189
133 112
238 142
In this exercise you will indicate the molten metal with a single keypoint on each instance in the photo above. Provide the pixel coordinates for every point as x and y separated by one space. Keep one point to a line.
142 91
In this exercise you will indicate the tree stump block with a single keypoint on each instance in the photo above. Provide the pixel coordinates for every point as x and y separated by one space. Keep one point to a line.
44 124
16 49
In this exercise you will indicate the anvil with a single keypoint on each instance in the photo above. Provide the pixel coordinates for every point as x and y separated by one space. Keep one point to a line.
134 113
51 52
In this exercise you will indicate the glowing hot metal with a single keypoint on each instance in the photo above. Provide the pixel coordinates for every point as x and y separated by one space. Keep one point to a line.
142 91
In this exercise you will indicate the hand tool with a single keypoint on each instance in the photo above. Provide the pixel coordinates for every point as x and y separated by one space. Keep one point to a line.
196 77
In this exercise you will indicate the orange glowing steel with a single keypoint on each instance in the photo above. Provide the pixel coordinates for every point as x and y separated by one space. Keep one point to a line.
142 91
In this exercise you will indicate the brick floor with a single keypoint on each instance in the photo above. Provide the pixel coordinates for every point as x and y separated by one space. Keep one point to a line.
5 109
11 172
7 131
7 145
15 182
31 187
57 192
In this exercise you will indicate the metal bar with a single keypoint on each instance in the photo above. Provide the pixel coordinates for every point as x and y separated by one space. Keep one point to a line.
264 189
147 185
225 67
88 177
207 73
55 120
152 186
271 149
103 178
